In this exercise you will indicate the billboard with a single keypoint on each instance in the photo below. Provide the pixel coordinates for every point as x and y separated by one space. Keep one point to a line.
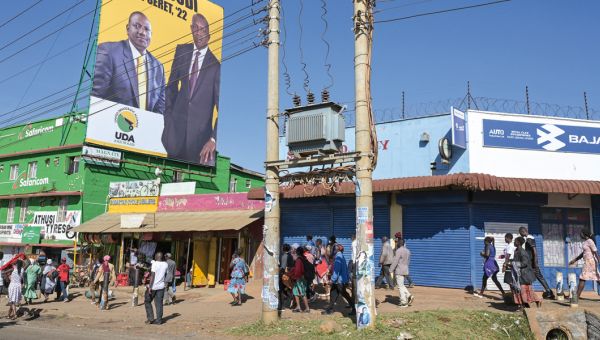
157 78
459 128
134 188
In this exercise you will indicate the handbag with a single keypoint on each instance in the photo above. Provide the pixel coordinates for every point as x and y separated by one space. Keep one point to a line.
287 281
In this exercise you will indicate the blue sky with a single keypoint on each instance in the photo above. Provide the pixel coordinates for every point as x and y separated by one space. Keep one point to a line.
549 45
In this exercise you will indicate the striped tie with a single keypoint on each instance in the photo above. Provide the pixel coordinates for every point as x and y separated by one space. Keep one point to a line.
141 76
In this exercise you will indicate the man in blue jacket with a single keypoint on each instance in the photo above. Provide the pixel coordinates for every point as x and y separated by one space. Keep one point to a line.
339 281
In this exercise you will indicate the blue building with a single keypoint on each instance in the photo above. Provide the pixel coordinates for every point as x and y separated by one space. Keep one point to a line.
449 180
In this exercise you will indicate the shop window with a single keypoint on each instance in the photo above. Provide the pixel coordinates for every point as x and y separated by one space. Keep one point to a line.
10 215
560 225
248 184
233 185
24 208
61 216
47 162
14 171
177 176
32 170
73 165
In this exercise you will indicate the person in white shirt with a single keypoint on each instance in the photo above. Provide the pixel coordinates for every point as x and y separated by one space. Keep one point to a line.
1 279
155 290
508 255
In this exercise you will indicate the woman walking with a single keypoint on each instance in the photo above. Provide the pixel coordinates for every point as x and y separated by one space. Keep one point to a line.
49 276
237 283
526 275
590 261
509 276
490 266
32 274
299 289
14 289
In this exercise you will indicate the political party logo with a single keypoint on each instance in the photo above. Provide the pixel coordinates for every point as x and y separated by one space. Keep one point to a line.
22 181
548 134
126 121
29 131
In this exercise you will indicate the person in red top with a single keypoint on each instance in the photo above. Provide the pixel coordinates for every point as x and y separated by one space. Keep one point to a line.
63 277
300 284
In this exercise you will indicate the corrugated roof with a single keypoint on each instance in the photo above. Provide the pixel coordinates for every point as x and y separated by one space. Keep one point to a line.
471 181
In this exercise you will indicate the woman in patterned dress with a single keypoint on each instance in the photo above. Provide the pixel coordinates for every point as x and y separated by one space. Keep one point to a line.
237 283
14 289
590 261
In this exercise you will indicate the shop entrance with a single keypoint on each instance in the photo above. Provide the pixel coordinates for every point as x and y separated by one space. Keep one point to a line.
228 246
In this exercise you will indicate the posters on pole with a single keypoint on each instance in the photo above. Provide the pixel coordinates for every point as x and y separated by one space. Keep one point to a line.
157 78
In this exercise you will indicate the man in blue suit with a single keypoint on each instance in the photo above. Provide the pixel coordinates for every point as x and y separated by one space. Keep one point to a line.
193 99
127 73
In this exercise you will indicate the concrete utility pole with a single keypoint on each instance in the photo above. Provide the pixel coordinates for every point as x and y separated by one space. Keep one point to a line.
365 290
270 289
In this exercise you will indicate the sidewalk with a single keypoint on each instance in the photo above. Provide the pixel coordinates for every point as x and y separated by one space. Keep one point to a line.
205 312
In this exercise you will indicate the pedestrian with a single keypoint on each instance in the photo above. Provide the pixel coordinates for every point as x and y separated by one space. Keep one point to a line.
532 250
105 277
399 267
385 261
339 282
310 242
321 250
331 248
155 290
1 276
32 275
310 292
94 285
286 264
14 289
63 277
590 261
398 237
169 280
490 266
49 276
237 282
297 274
523 265
508 255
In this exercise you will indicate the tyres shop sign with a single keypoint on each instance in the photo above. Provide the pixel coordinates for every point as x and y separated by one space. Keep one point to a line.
55 228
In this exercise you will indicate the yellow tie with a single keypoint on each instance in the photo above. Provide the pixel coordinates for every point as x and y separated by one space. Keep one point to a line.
141 76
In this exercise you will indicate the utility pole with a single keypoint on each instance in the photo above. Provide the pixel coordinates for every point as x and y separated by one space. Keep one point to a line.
365 292
270 291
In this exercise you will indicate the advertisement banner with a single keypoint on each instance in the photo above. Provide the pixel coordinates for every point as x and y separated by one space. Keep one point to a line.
540 136
133 205
157 78
459 128
134 188
10 232
98 156
31 235
208 202
57 229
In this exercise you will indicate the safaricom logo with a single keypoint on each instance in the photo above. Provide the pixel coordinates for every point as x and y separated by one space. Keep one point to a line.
22 181
29 131
547 134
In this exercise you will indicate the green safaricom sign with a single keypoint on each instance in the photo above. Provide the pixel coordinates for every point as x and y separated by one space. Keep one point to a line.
22 181
31 235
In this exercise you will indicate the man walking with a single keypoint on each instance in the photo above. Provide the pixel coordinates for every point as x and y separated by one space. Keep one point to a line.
63 276
155 290
398 237
169 280
339 282
532 251
385 260
400 269
105 276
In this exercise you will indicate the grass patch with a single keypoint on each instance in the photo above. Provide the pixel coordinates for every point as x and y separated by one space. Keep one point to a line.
440 324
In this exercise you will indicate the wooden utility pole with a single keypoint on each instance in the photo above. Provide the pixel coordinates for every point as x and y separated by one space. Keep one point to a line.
365 290
270 289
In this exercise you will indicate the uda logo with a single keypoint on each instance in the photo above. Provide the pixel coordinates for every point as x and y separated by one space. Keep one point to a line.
547 134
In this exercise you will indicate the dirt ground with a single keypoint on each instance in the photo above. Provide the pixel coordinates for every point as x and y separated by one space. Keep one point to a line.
206 313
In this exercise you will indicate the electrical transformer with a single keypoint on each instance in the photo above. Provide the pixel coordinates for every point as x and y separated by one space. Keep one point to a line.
315 129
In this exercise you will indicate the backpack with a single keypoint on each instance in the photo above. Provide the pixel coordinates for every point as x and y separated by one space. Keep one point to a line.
309 270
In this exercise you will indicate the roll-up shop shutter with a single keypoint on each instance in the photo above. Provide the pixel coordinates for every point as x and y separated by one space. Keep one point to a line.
298 221
438 237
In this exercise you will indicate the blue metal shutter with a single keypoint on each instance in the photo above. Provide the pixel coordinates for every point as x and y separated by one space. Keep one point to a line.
297 221
438 237
510 214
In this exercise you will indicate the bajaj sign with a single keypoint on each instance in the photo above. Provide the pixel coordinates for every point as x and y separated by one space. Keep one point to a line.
543 137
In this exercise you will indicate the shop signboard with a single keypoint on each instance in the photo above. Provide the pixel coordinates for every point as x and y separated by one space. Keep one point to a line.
541 136
162 103
55 230
459 128
11 232
98 156
144 188
31 235
133 205
212 202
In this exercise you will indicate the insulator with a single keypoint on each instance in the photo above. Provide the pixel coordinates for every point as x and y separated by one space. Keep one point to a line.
310 98
297 100
325 96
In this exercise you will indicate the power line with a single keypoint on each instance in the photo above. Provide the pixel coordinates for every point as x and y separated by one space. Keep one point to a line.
20 13
441 11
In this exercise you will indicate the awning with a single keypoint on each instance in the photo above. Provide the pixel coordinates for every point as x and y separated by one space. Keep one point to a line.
174 221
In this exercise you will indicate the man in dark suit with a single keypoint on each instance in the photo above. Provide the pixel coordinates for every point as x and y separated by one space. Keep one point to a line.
127 73
193 99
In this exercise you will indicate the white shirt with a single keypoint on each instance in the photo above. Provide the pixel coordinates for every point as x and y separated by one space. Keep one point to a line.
1 279
159 268
200 58
136 54
509 251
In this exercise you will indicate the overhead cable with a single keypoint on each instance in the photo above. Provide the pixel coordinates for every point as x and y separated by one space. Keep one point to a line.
441 11
20 13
